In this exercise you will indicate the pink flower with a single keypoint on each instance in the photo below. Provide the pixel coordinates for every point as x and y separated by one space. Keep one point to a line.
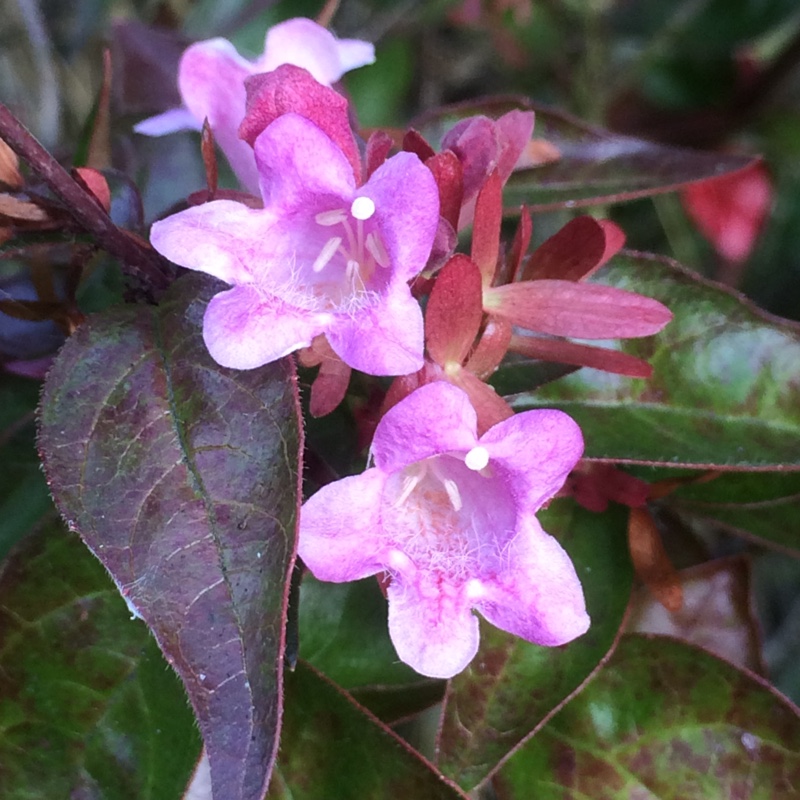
452 518
211 80
324 255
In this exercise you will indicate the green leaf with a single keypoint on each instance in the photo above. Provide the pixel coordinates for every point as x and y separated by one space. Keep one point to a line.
88 708
182 477
332 748
725 390
594 165
765 508
665 721
24 498
512 686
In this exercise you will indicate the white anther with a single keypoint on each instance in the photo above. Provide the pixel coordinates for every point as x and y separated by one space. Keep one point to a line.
451 487
376 249
362 208
475 590
328 218
477 458
326 254
399 562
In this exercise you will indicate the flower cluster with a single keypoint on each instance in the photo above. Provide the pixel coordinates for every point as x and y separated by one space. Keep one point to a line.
333 260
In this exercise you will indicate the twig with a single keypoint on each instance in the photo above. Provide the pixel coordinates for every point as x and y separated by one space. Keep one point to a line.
141 261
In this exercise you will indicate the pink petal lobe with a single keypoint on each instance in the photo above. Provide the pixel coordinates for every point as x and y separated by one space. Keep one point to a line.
306 44
243 329
220 238
211 81
407 211
431 625
176 119
384 340
290 89
539 448
436 418
299 163
539 596
580 310
339 537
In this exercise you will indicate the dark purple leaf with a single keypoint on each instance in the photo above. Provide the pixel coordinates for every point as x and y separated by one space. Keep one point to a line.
182 477
594 165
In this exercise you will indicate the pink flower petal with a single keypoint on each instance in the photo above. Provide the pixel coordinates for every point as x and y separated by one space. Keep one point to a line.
211 81
384 340
306 44
436 418
242 329
176 119
539 596
339 538
220 238
538 449
431 626
407 211
298 162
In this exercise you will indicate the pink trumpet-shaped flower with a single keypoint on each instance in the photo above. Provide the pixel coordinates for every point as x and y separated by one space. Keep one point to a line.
324 255
451 517
212 74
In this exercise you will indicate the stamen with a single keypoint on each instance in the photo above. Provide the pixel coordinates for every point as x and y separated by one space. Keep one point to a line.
475 590
332 217
376 249
477 458
451 487
362 208
410 482
326 254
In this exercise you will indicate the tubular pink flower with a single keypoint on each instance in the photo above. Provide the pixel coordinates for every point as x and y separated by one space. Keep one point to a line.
212 74
323 256
452 518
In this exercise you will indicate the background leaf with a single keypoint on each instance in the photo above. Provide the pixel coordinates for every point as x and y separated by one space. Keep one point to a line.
88 708
511 686
182 477
725 390
662 720
24 498
594 165
331 748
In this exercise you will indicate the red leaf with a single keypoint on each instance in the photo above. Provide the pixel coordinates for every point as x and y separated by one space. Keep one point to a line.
95 183
580 355
448 172
491 348
486 227
730 210
454 311
582 310
520 245
379 146
414 142
650 560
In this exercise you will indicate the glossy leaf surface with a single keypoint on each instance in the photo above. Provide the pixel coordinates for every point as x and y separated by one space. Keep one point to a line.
512 686
332 748
593 165
662 721
764 507
88 708
725 390
181 476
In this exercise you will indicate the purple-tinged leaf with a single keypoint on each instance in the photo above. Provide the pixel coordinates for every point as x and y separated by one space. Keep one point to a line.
333 748
512 687
717 612
88 707
725 390
662 720
182 477
593 165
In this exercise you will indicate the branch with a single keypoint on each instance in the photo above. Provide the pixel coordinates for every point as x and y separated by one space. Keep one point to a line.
141 261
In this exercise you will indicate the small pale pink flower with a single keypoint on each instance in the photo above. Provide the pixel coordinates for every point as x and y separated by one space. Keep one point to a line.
212 75
324 255
451 517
